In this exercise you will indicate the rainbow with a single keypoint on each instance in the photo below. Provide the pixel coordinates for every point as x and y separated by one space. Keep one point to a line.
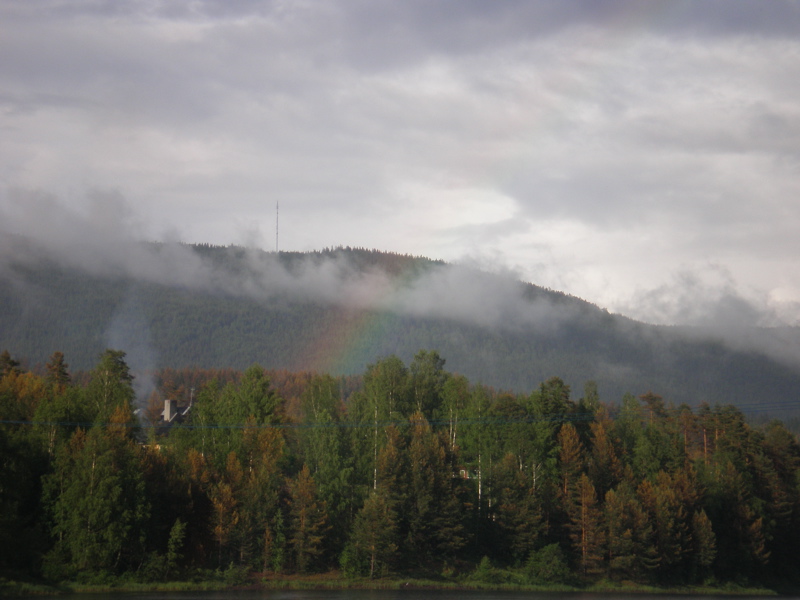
345 342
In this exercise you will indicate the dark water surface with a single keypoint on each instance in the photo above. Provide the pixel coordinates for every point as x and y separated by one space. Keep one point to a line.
395 595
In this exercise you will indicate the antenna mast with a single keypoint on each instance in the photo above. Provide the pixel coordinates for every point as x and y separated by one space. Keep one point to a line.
277 206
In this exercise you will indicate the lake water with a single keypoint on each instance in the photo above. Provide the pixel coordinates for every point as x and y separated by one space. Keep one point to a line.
395 595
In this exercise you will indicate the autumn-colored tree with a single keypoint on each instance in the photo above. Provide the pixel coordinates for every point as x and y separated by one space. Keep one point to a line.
570 458
632 552
225 500
585 525
262 458
20 395
309 522
605 467
58 372
669 503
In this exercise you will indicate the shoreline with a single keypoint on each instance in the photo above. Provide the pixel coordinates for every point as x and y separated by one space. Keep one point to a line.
11 588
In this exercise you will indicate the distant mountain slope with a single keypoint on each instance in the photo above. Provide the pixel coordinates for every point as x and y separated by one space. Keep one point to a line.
338 310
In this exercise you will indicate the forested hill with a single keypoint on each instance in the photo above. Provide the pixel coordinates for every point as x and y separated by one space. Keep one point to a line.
339 310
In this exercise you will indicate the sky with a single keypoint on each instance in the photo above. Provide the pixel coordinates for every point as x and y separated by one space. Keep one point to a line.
642 155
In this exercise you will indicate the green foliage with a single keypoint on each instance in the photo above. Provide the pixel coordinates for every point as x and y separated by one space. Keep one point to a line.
373 548
177 538
8 364
98 504
276 556
427 382
516 509
309 521
705 545
235 575
496 488
435 528
223 328
22 463
486 573
111 387
632 553
547 565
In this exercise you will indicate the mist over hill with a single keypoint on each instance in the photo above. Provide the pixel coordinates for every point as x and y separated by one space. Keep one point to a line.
338 310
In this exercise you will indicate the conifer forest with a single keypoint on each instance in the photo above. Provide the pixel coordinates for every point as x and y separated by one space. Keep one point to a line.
403 470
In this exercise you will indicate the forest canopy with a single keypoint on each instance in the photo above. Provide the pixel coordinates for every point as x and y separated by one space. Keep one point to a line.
339 310
405 469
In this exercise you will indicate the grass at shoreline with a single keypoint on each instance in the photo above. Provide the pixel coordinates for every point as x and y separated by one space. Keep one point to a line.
332 581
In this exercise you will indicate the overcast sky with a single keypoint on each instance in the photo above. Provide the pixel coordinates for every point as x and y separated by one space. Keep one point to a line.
642 155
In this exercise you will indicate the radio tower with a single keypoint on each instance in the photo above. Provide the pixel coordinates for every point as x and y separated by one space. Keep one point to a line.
277 206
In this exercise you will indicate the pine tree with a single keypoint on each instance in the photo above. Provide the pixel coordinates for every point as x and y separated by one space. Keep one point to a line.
704 544
631 541
516 510
8 365
669 503
111 386
435 526
374 535
570 458
57 372
224 518
309 522
586 531
427 380
263 451
605 468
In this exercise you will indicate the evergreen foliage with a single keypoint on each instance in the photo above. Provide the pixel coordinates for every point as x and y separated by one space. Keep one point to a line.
235 319
298 473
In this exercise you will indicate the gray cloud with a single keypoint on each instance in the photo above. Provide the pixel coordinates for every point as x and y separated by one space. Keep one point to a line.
704 303
595 146
101 242
708 303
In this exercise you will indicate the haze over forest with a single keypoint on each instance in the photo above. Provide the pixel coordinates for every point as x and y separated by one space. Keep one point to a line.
498 292
338 310
638 155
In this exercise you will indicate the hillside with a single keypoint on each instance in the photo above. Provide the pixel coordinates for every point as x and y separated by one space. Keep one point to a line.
338 310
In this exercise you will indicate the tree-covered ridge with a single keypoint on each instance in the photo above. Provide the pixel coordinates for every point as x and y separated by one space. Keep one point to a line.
237 313
408 469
